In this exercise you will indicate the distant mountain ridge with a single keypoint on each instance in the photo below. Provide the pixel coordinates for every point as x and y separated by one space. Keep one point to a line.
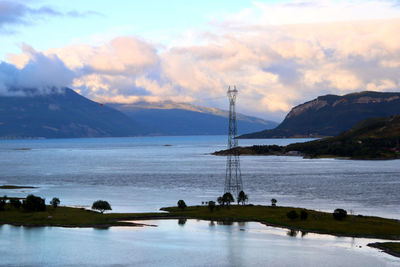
170 118
66 114
63 114
330 115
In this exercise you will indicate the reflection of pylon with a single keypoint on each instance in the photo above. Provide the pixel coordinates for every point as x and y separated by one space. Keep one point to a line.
233 178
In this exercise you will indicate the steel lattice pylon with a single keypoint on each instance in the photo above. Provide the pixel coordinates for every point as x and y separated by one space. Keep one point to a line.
233 178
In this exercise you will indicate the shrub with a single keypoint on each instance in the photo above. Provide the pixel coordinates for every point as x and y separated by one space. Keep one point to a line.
273 202
55 202
303 215
34 203
339 214
181 204
101 205
211 205
15 203
292 215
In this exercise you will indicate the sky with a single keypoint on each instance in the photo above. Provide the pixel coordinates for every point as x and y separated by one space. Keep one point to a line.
278 53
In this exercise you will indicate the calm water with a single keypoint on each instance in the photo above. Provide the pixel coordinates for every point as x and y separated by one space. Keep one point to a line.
196 243
143 174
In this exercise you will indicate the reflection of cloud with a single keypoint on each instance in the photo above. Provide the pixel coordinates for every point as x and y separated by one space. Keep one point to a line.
274 65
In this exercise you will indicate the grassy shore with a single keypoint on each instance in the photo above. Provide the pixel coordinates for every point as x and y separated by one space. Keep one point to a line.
16 187
317 222
391 248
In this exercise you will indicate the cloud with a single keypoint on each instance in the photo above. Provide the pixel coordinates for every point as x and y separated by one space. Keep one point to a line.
41 74
278 56
14 13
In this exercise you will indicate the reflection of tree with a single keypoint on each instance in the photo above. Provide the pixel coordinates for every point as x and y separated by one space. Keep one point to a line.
224 222
292 232
242 223
212 223
303 233
182 221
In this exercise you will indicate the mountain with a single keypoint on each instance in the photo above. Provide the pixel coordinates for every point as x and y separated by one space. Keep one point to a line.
63 114
170 118
374 138
330 115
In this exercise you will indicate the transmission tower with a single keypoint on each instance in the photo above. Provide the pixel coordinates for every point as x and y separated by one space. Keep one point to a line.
233 178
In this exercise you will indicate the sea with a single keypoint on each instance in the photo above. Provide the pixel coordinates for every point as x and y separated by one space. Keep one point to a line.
140 174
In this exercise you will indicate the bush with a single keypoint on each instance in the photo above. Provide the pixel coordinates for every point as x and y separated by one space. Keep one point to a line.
273 202
211 205
181 204
292 215
34 203
15 203
303 215
101 205
339 214
55 202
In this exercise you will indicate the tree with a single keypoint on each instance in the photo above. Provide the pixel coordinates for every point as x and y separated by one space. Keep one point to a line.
220 201
55 202
181 204
15 203
34 203
273 202
211 205
242 198
227 198
339 214
101 205
2 204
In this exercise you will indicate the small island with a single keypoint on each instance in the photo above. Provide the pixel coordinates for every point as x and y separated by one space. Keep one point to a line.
17 187
372 139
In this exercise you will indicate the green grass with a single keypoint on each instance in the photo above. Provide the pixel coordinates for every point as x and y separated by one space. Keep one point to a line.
391 248
318 222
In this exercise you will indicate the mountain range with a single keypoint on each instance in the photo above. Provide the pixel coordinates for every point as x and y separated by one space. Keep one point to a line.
169 118
330 115
67 114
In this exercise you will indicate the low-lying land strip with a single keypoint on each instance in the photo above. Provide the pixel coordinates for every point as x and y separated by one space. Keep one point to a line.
372 139
392 248
316 221
17 187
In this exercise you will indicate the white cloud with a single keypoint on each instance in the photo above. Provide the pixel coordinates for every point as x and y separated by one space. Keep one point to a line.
278 55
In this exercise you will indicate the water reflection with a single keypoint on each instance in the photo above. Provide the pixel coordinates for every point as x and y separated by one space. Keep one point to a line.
182 221
204 243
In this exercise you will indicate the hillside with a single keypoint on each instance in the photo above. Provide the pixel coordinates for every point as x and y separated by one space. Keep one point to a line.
375 138
62 115
169 118
330 115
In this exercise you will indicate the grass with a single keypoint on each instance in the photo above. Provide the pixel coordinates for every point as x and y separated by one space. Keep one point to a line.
391 248
318 222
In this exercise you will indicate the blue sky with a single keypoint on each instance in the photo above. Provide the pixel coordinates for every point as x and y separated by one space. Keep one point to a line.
155 20
278 53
